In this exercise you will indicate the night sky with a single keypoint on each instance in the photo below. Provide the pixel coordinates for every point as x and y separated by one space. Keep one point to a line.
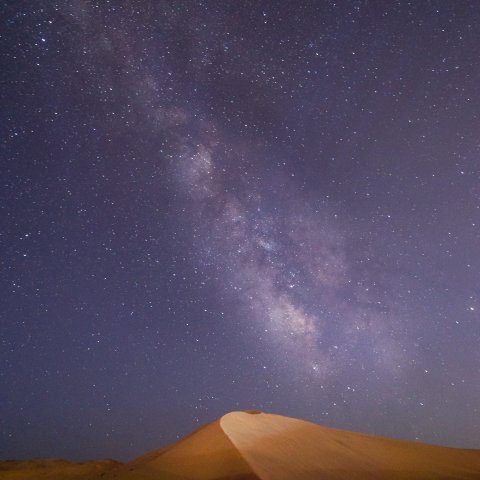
219 205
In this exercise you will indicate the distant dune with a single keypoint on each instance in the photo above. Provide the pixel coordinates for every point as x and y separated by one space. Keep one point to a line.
53 469
255 445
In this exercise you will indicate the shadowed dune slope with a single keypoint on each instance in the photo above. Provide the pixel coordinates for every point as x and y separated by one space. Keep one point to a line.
206 454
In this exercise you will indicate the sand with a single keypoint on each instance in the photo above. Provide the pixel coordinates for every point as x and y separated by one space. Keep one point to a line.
256 445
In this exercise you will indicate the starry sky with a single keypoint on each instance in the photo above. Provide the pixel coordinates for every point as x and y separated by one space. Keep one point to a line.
208 206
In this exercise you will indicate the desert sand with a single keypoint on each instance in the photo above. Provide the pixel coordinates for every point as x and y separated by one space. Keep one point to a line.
256 445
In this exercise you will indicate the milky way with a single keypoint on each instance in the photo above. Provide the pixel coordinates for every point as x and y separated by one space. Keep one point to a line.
211 206
288 267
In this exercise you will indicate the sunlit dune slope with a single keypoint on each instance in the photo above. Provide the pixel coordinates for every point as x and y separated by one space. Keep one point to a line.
279 448
53 469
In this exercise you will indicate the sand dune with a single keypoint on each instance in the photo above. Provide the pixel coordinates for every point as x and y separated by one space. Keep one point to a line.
255 445
248 445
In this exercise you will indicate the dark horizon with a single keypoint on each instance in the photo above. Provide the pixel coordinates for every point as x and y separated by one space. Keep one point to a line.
218 206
